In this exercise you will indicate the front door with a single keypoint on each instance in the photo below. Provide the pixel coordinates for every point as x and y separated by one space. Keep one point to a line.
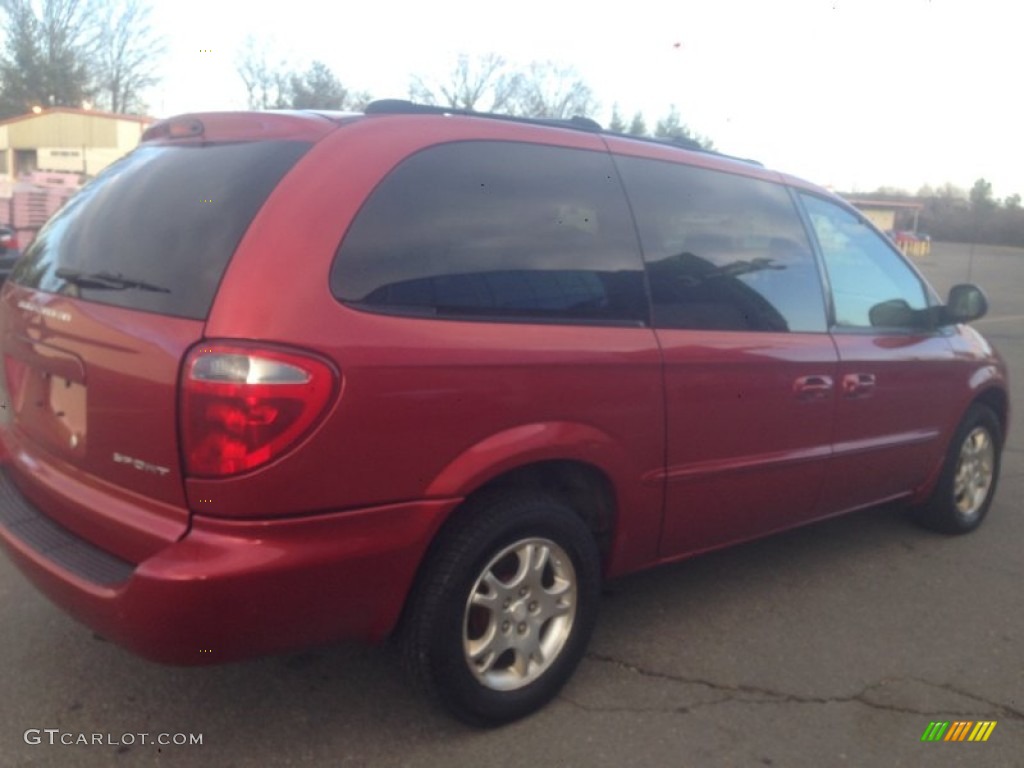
896 385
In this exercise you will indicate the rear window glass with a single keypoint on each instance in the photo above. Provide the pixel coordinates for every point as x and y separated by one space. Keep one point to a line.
155 230
496 230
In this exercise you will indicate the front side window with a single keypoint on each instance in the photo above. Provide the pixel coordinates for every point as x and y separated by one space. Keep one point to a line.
723 252
872 287
496 230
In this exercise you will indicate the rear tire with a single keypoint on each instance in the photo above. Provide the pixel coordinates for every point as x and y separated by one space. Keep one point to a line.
504 608
962 497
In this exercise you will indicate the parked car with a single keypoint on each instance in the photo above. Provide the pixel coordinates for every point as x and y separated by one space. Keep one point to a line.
277 379
9 252
911 243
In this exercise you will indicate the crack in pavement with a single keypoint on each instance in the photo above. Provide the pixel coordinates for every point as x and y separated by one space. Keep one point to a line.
753 694
681 710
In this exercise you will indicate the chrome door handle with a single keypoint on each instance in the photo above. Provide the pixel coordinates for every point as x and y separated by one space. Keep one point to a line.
814 387
858 384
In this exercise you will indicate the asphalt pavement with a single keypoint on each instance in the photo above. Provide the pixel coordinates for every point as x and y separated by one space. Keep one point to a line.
832 645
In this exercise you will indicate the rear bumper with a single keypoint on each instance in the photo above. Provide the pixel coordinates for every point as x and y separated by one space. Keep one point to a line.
232 589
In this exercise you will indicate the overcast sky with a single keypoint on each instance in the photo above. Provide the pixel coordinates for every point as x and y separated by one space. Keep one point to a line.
852 95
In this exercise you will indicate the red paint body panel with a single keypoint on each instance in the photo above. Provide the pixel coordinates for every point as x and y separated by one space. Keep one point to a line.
747 453
91 392
891 435
485 398
231 590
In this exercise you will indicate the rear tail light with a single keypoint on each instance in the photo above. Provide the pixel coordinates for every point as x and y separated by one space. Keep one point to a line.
9 241
243 407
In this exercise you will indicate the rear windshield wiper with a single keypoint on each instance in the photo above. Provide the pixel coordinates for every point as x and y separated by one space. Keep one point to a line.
106 281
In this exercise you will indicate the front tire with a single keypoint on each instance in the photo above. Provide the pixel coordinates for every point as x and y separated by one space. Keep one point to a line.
504 608
962 497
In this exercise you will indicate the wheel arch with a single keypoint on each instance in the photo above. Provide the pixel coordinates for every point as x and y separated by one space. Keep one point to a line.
576 463
584 487
997 399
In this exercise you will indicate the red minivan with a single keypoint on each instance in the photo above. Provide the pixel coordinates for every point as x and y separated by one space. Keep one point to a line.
277 379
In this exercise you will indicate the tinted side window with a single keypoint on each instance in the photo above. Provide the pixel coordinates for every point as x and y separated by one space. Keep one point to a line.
723 252
155 230
496 230
871 285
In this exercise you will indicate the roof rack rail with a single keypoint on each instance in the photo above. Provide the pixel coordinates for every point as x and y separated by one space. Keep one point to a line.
683 143
403 107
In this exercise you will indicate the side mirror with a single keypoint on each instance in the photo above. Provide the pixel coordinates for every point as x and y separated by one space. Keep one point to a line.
895 313
966 302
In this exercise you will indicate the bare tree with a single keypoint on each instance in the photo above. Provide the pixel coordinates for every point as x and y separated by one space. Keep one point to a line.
266 84
552 90
127 55
489 83
68 35
280 86
486 83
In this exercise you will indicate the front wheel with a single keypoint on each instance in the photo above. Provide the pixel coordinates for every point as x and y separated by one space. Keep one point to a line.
504 608
969 475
